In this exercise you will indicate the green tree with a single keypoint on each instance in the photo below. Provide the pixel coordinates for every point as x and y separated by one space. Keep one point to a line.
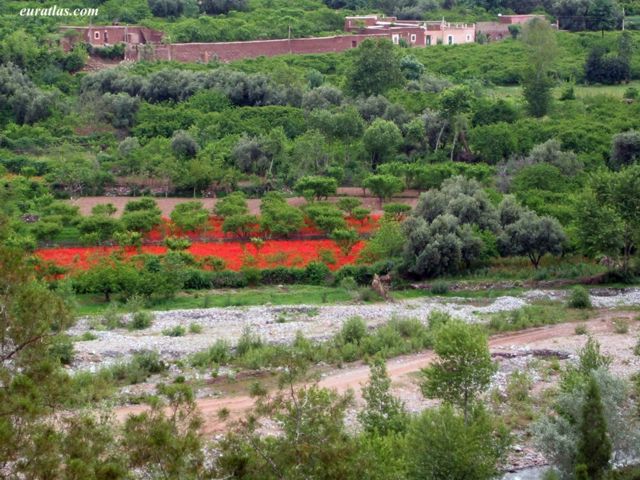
32 383
532 236
540 40
165 441
383 186
243 225
594 448
190 216
383 413
345 238
375 68
278 218
316 187
617 203
446 446
233 204
625 149
463 368
381 140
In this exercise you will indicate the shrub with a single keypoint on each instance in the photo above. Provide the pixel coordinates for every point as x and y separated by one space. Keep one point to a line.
282 276
348 283
316 273
579 298
247 342
111 318
251 275
219 354
621 325
353 330
636 349
438 318
440 288
62 349
195 327
177 331
228 279
141 320
581 329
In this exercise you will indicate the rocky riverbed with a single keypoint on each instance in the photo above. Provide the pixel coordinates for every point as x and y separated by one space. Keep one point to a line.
279 324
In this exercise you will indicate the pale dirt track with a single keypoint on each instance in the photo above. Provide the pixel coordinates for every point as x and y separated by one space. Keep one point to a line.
398 369
167 204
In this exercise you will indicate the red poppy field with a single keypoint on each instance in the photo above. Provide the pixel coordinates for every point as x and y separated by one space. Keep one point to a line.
274 253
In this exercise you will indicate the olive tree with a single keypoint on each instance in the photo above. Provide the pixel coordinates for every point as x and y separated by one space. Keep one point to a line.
532 236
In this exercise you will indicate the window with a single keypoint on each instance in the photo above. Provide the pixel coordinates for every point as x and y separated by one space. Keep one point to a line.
468 38
427 40
354 44
395 38
96 35
450 40
106 37
413 38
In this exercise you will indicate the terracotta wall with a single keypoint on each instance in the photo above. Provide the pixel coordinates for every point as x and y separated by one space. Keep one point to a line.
229 51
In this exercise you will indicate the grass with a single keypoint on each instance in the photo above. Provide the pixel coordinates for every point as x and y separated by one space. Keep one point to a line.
531 316
581 91
294 295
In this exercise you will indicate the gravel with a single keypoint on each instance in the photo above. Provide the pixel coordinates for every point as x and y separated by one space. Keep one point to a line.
278 324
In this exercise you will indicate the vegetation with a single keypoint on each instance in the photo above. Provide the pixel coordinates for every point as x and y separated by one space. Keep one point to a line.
477 168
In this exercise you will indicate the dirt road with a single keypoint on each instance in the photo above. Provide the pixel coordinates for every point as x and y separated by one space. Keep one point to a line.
398 369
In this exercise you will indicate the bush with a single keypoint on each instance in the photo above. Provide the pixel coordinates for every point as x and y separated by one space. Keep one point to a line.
621 325
579 298
316 273
141 320
581 329
177 331
218 354
282 276
227 279
62 349
440 288
353 330
195 328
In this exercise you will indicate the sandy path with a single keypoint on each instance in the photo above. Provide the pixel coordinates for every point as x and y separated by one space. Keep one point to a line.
398 369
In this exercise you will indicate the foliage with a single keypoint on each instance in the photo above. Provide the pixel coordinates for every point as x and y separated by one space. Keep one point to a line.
579 298
463 369
383 413
446 445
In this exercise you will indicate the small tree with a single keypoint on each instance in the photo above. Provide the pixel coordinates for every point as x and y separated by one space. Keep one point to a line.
383 186
242 225
190 216
540 40
375 68
316 187
463 368
625 149
594 448
396 211
445 446
381 140
532 236
345 238
233 204
383 413
348 204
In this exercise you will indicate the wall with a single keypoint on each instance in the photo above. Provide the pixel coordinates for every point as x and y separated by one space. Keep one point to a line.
229 51
460 35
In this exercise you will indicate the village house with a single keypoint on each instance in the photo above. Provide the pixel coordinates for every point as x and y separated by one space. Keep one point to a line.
145 43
